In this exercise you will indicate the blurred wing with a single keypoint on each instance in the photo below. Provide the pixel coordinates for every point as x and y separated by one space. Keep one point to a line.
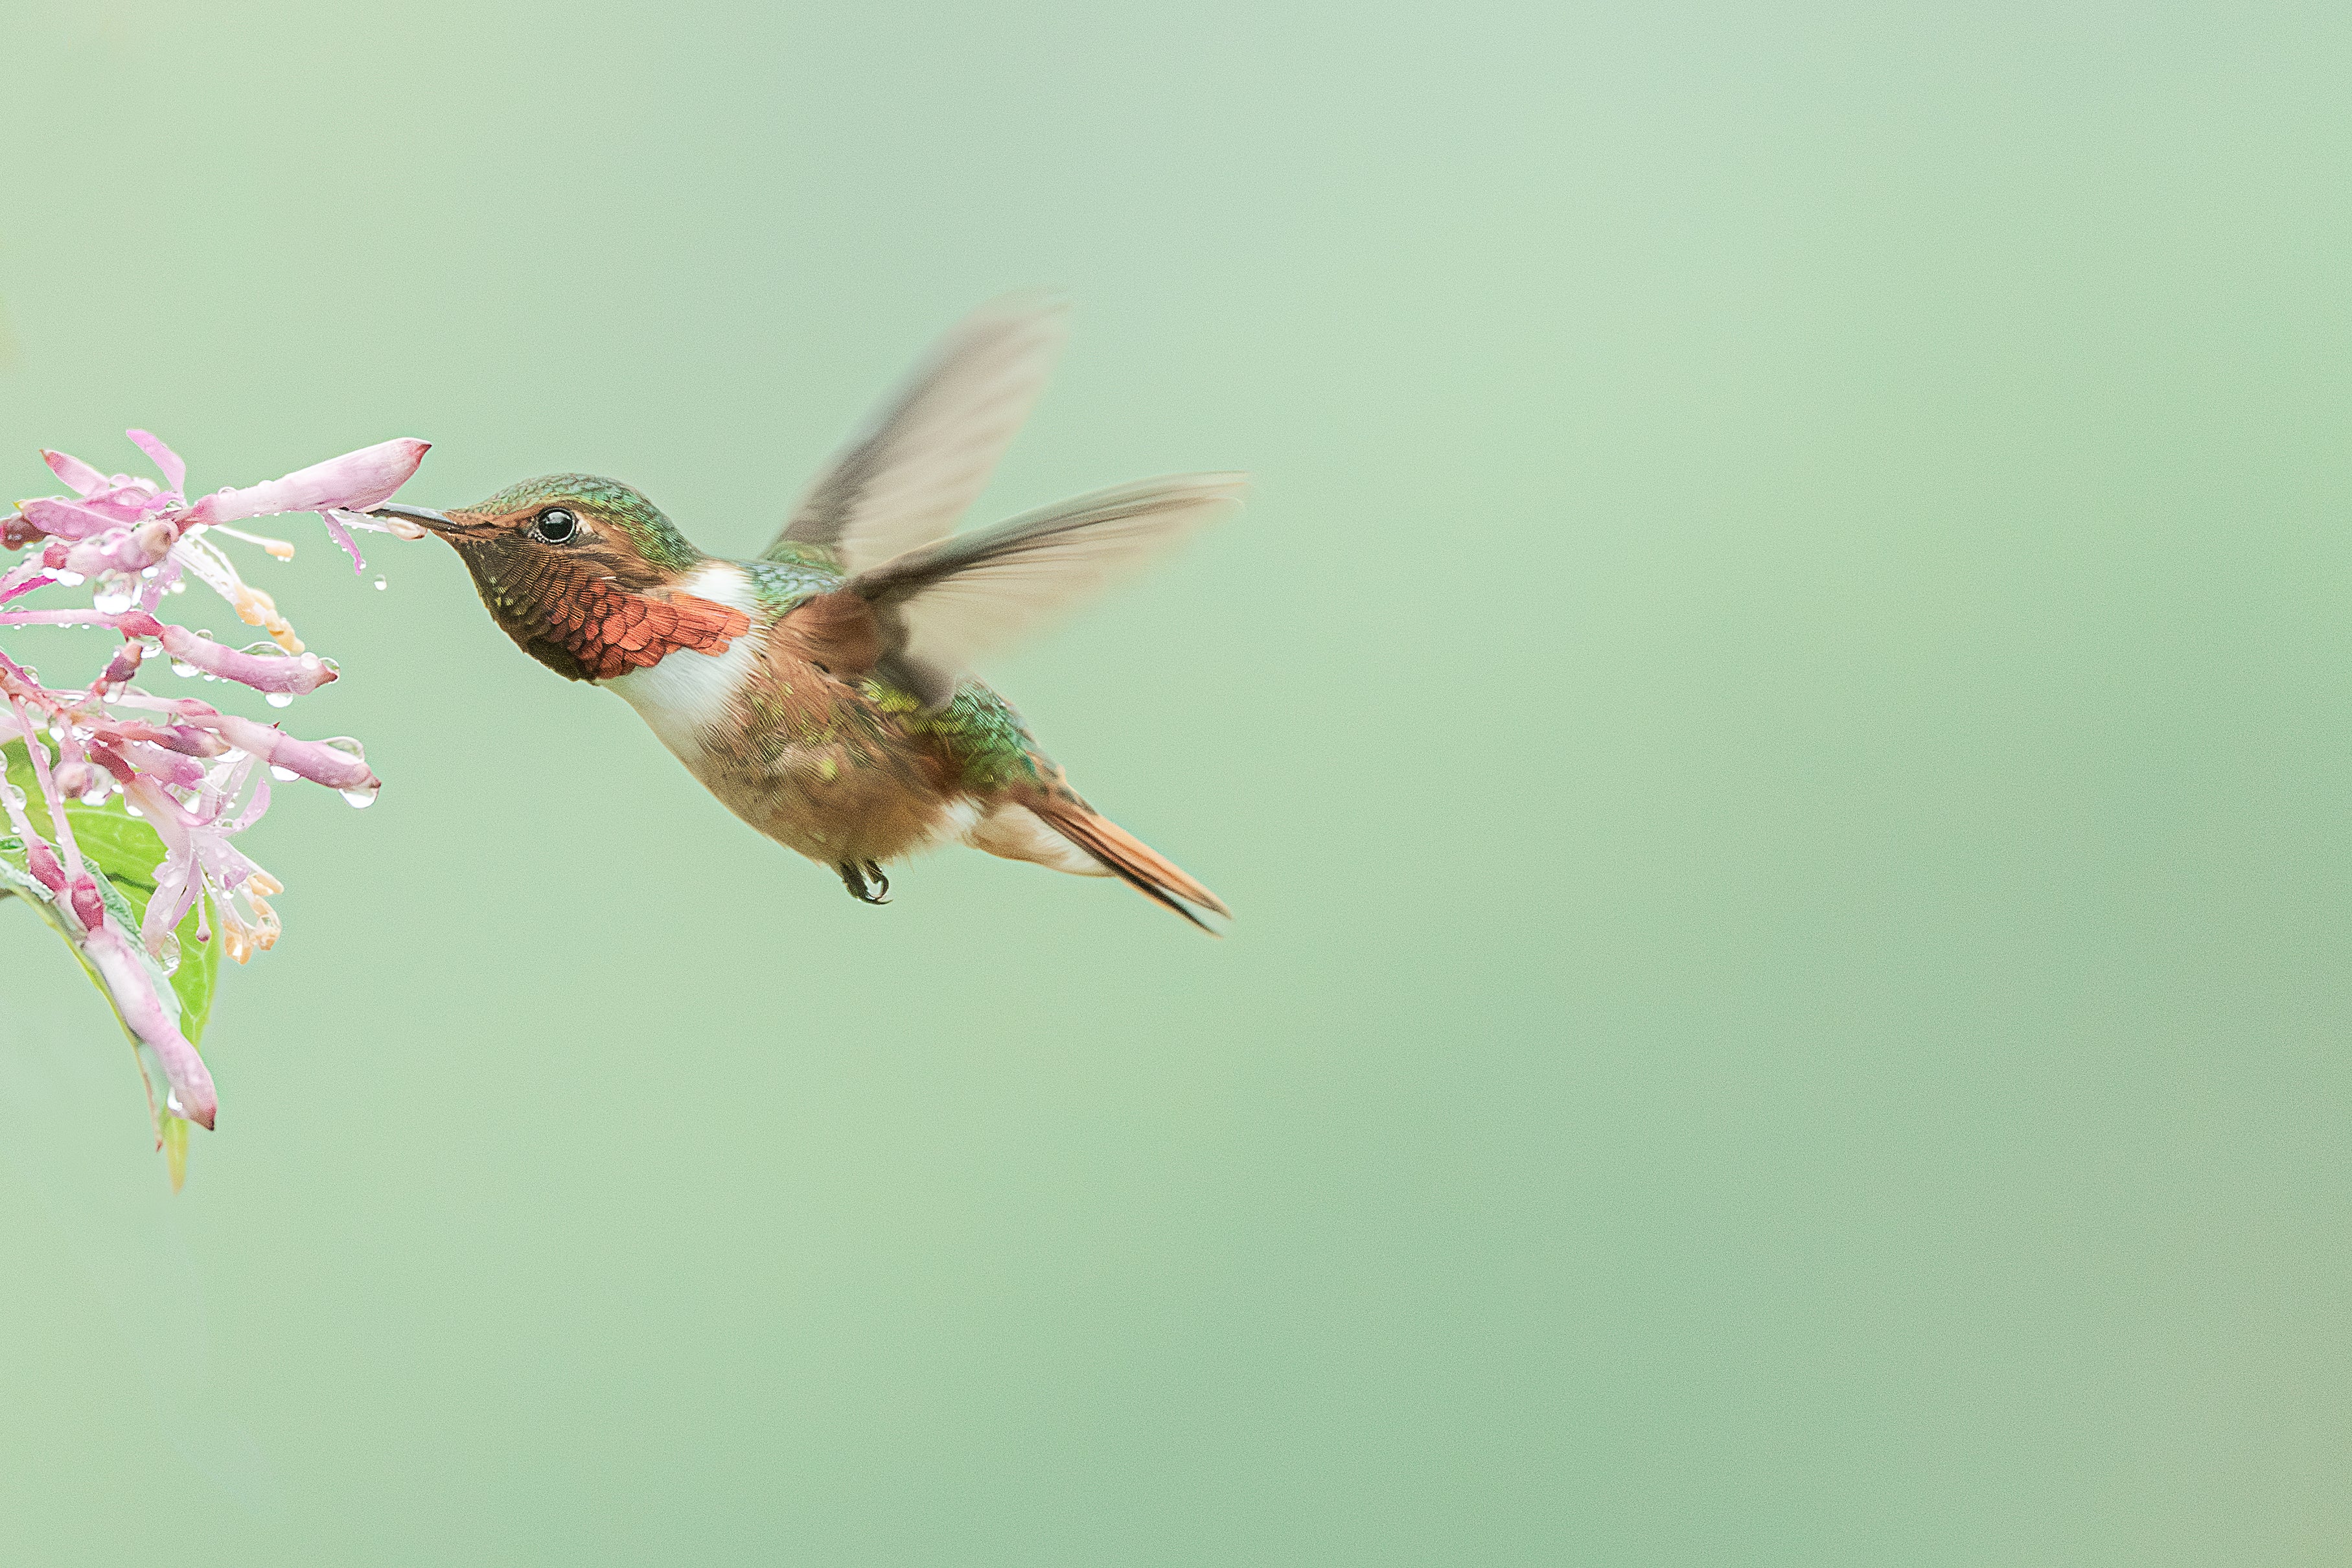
937 611
909 472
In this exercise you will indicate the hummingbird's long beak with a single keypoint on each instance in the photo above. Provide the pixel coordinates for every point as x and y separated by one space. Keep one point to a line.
439 522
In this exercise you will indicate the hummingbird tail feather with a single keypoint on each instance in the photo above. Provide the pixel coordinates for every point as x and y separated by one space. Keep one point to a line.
1131 860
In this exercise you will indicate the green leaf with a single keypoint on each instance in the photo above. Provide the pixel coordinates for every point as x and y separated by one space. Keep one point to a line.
127 849
197 979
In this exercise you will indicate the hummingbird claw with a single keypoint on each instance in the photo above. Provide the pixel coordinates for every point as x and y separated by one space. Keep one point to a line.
854 878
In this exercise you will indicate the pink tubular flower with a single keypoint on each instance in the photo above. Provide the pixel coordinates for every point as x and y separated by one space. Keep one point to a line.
191 1096
68 520
197 775
352 482
299 674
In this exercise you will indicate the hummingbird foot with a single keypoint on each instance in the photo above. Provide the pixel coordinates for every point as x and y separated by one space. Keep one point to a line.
857 878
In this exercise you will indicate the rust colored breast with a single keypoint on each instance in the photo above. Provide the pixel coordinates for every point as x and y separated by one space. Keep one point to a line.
612 631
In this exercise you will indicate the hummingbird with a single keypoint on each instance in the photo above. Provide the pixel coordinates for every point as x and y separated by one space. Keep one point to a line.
825 693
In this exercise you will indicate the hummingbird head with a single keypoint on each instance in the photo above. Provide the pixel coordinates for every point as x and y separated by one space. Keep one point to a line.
580 571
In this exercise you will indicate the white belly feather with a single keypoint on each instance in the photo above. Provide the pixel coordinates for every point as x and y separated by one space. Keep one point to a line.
688 692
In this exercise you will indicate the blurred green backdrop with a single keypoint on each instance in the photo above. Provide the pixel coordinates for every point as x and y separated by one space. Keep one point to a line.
1776 728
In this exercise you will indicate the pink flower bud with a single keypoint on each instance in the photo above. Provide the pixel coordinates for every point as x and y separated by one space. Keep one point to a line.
190 741
184 739
165 767
88 907
75 780
42 861
77 475
107 757
298 675
352 482
67 518
124 665
132 550
126 982
306 759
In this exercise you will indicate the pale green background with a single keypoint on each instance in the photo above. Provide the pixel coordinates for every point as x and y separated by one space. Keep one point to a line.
1776 728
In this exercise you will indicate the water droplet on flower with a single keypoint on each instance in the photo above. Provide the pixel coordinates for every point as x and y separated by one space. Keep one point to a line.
349 747
112 599
278 698
381 585
283 775
182 669
71 579
130 810
172 1102
179 585
361 799
167 951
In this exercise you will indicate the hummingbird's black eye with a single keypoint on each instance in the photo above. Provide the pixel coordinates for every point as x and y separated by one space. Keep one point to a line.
556 526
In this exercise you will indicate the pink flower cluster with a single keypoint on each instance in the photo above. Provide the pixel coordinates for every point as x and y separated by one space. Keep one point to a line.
198 776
